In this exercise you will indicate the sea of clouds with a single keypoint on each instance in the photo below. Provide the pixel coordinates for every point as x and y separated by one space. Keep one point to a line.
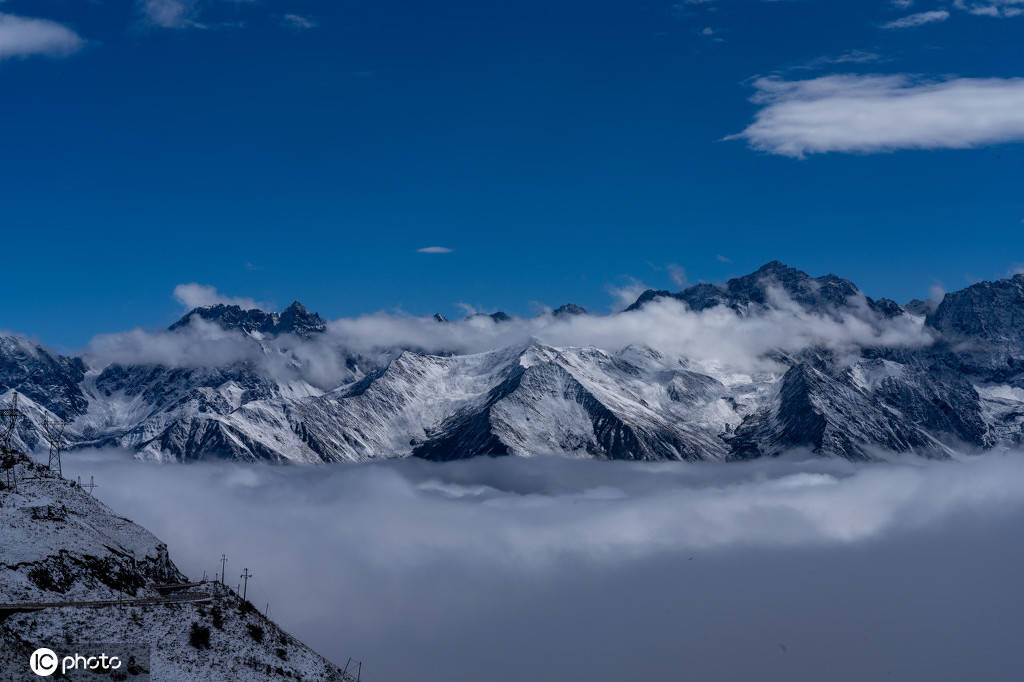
551 569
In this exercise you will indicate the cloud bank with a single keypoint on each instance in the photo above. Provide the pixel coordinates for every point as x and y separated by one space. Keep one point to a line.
26 37
713 339
553 569
876 113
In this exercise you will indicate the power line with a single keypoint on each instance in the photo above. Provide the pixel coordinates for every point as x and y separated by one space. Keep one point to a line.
90 485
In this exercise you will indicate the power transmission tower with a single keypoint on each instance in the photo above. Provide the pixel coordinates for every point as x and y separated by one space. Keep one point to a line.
245 584
8 454
55 435
90 485
223 560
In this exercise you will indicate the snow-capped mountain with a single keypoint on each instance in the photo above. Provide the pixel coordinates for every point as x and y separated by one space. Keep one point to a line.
958 388
63 546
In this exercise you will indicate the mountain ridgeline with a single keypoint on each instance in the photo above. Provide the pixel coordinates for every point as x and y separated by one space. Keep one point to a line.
962 391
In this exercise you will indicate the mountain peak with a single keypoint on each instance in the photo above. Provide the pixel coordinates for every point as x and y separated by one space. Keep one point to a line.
295 319
569 309
816 294
777 266
990 310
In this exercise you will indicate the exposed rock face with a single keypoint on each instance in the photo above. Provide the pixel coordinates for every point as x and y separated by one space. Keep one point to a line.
294 320
918 307
987 311
962 392
51 380
569 309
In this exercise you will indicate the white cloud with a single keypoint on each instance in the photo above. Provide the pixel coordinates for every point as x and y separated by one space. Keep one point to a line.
918 19
677 274
194 295
434 249
992 8
714 339
169 13
876 113
626 293
298 21
850 57
722 259
26 36
551 569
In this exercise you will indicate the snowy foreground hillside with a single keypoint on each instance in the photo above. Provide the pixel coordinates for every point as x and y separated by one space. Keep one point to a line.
59 544
763 364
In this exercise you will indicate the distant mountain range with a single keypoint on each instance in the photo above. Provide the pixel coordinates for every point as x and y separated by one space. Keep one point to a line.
962 391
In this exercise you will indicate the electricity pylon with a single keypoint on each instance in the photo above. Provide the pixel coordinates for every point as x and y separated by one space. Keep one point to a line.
55 434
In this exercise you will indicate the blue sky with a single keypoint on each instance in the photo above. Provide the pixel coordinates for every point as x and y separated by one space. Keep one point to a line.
280 149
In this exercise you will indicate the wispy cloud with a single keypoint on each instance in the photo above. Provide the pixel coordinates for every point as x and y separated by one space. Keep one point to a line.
918 19
434 249
992 8
677 274
865 114
723 259
193 295
27 36
297 21
851 57
626 293
169 13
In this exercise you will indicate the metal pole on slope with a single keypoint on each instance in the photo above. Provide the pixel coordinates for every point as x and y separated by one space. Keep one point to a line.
245 584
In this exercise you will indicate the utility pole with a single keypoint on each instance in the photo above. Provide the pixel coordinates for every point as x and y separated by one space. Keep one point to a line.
55 434
223 560
8 455
245 582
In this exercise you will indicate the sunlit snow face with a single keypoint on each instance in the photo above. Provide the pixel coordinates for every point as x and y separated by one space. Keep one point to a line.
553 569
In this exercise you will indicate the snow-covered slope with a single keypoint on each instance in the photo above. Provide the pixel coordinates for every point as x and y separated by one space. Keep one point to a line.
60 544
